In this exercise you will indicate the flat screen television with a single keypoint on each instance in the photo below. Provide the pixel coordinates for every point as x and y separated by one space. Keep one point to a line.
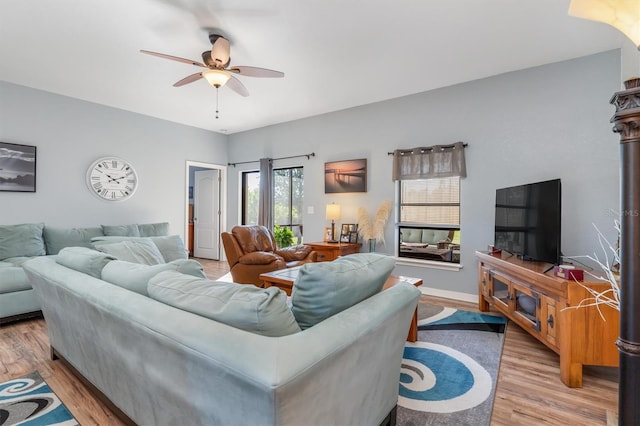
528 221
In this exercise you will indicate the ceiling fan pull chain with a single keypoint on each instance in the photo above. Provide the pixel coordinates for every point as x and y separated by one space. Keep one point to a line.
217 88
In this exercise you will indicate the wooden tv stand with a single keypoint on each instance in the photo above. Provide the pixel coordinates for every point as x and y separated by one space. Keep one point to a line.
536 301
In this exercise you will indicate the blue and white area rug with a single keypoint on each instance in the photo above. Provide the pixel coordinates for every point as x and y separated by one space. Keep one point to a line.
449 375
29 401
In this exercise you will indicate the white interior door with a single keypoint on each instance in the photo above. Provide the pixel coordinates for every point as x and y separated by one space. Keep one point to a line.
206 215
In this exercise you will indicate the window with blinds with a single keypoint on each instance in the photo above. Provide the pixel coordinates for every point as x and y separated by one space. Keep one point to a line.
429 227
430 201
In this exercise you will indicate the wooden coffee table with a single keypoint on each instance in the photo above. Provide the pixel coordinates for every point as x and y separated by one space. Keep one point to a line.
284 279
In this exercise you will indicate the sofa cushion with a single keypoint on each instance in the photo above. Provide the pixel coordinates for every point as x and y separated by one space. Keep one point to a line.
58 238
12 277
434 236
84 260
121 230
138 250
154 229
410 235
323 289
135 276
258 310
21 240
171 247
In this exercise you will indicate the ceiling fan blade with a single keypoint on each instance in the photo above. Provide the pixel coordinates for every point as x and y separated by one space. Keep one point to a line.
189 79
175 58
255 72
220 50
237 86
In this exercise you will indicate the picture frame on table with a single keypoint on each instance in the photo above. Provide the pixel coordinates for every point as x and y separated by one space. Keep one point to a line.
328 236
346 230
353 237
348 227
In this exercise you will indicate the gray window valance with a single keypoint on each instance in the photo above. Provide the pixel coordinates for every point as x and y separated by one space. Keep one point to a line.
430 162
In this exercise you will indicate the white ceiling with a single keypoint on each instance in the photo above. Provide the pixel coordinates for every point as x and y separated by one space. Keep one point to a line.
335 54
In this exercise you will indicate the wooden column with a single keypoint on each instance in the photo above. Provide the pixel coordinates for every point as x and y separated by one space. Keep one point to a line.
627 123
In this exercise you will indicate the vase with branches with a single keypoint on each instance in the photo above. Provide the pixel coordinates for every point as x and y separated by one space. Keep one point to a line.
373 231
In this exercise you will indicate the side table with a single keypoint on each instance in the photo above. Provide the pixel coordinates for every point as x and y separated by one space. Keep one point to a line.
331 251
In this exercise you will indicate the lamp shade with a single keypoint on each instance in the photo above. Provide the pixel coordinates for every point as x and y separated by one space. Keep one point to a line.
333 211
216 78
624 15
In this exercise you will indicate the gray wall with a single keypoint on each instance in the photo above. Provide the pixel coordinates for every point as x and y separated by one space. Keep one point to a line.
526 126
70 134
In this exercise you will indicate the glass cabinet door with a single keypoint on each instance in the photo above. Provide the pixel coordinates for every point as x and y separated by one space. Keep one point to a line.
527 306
501 290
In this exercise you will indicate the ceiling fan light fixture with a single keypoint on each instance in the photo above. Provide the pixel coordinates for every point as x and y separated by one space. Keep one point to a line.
216 78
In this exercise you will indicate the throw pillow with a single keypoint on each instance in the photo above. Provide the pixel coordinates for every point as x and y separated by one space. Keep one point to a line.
135 276
21 240
154 229
171 247
258 310
82 259
58 238
323 289
121 230
139 250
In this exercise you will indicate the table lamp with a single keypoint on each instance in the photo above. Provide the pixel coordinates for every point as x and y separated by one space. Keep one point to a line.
333 214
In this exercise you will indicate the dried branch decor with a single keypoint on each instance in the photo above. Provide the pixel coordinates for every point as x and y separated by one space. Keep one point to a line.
374 230
611 296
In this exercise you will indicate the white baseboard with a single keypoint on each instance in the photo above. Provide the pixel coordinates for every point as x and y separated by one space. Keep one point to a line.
455 295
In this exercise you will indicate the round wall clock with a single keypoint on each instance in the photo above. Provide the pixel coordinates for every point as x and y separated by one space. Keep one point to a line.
112 179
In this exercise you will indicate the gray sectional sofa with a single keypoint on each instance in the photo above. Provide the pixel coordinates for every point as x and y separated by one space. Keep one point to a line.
19 243
168 347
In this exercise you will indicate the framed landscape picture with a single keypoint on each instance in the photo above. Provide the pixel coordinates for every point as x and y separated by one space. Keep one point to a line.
345 176
17 167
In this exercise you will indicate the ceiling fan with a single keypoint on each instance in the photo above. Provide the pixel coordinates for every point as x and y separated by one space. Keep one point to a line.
218 73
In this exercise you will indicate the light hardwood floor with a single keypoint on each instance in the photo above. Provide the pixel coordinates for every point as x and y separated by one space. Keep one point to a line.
529 390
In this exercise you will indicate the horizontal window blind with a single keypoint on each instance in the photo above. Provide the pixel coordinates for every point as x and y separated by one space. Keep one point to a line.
430 201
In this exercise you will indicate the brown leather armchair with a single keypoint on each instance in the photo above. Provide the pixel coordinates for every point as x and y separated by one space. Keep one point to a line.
251 250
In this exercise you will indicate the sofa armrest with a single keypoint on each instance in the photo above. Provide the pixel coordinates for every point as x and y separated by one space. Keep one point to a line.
258 258
299 252
330 354
231 248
